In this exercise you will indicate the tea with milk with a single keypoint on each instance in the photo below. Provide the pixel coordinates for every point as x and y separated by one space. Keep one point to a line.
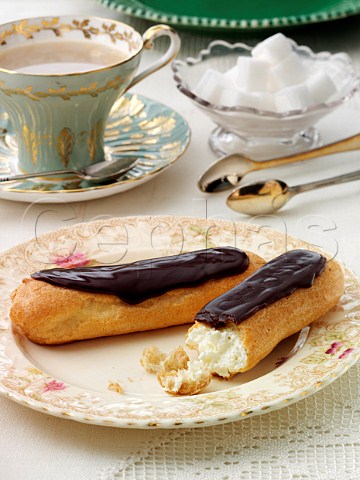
54 57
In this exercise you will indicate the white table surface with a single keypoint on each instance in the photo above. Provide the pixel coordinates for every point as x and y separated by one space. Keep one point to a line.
34 446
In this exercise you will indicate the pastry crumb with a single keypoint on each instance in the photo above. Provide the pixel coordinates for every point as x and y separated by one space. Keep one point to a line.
176 360
151 359
178 375
115 387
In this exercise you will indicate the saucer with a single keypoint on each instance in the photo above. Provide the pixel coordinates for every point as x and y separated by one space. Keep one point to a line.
137 127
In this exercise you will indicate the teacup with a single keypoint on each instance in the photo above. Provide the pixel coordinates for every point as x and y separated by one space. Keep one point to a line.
60 77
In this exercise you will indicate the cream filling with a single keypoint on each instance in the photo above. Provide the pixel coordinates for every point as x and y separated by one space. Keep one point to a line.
221 351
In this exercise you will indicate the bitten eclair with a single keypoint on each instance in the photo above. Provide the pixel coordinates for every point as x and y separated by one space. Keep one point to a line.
237 330
58 306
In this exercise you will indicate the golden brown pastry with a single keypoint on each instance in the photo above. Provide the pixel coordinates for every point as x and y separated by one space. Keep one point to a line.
49 314
231 341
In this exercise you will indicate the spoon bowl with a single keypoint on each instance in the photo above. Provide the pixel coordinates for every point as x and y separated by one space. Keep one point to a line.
225 173
259 198
268 196
108 170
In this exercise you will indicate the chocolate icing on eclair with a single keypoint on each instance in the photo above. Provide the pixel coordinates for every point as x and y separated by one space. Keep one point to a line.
135 282
277 279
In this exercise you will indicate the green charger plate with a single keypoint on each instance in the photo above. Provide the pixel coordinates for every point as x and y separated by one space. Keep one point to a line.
236 14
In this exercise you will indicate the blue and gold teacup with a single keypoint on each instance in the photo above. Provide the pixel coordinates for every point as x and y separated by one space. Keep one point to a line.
58 109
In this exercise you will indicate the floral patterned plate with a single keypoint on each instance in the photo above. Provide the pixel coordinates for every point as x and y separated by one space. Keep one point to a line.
101 382
137 127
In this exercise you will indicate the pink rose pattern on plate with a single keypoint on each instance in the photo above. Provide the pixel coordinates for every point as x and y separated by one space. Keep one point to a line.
336 347
76 259
53 385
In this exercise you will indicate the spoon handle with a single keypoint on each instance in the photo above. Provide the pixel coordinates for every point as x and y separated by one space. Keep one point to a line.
345 145
25 176
326 182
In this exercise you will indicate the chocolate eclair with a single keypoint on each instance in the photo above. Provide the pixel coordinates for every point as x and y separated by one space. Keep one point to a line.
64 305
238 329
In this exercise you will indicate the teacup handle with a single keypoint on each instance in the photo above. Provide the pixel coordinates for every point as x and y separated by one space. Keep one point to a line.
148 38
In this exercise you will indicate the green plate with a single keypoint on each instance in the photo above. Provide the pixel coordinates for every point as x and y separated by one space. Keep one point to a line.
236 14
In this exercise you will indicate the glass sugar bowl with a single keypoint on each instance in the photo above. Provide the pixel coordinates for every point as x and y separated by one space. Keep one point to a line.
265 124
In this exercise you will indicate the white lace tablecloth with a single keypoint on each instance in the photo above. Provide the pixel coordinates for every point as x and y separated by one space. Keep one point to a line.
317 438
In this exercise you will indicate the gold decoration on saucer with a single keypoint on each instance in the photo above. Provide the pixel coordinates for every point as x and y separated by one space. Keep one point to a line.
27 30
93 90
65 145
131 106
159 125
32 141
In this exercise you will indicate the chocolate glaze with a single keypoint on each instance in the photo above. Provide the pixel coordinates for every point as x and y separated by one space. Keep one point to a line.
276 279
138 281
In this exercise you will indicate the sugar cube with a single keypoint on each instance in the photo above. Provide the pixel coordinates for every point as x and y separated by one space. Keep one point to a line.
210 86
249 100
321 86
265 101
296 97
273 50
252 75
236 98
290 71
232 74
230 97
274 79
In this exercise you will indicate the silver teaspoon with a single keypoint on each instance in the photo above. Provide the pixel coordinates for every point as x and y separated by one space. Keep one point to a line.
230 170
267 197
97 172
